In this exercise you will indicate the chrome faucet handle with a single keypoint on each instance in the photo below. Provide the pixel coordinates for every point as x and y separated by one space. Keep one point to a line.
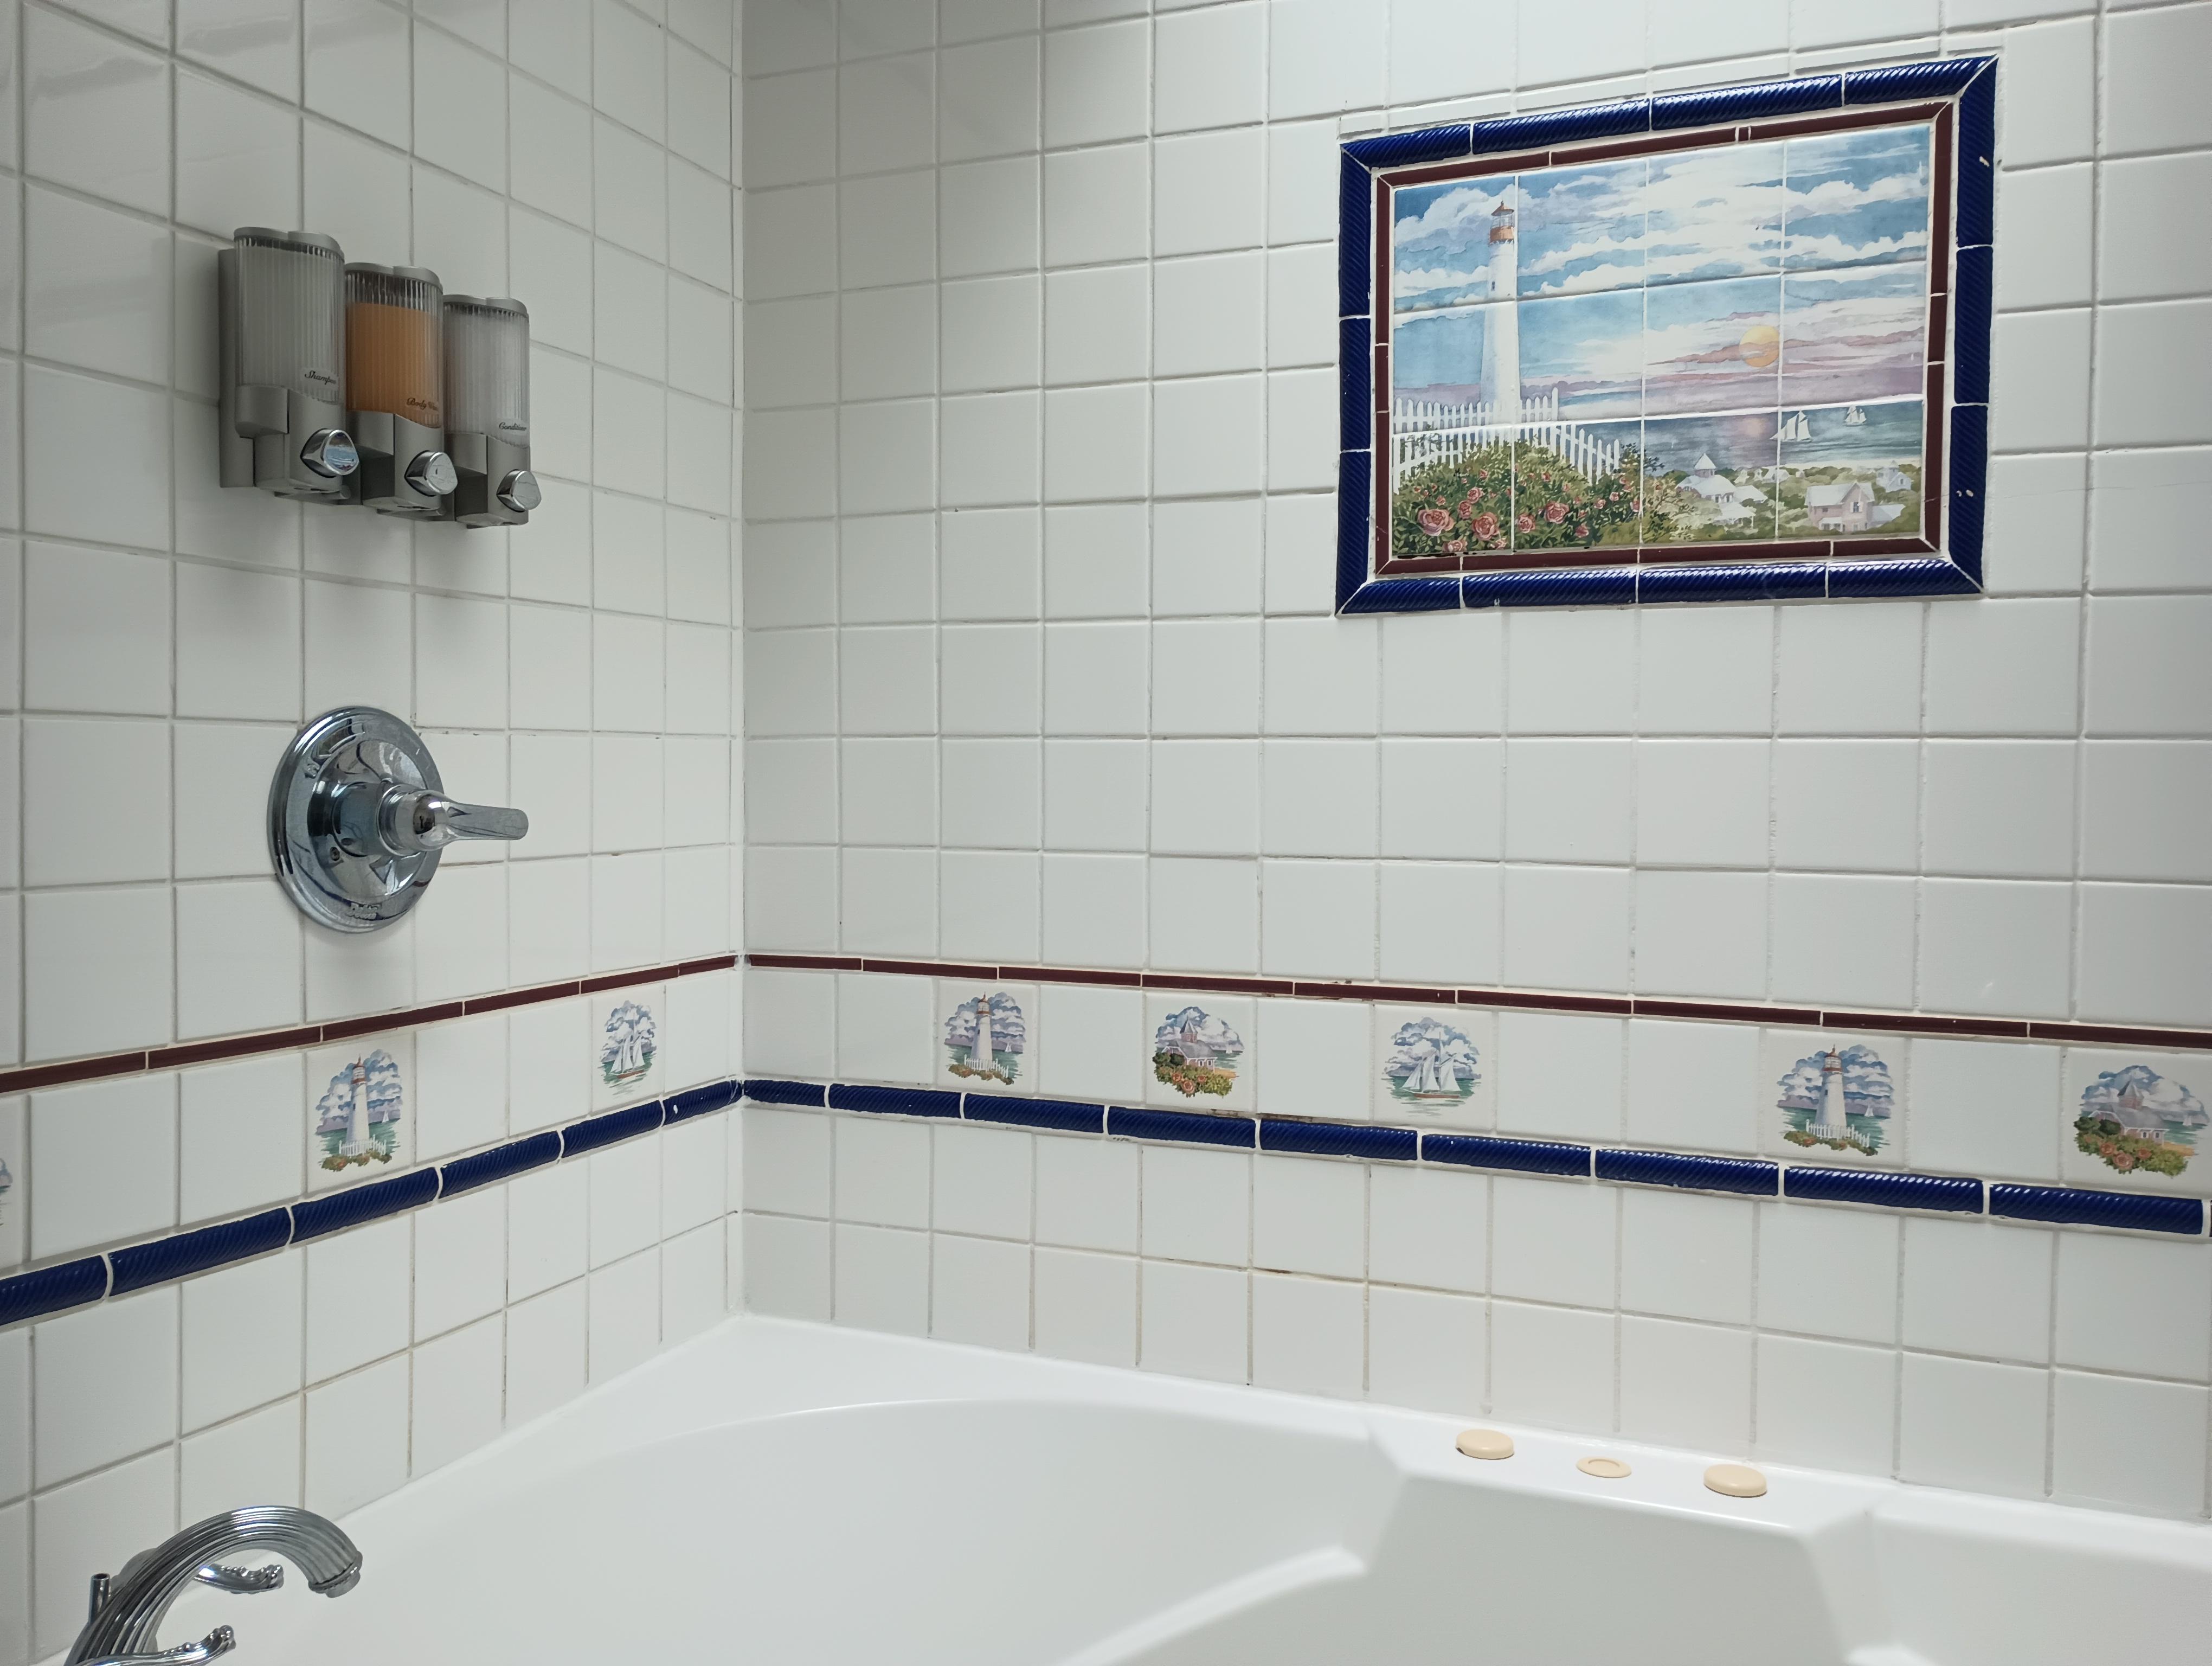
220 1641
241 1581
411 822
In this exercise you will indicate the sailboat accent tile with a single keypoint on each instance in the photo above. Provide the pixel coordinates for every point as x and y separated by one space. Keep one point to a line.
2136 1121
1436 1064
14 1181
628 1033
987 1039
360 1124
1200 1051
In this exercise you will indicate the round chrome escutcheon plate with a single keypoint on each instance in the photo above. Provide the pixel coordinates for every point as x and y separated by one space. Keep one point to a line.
338 882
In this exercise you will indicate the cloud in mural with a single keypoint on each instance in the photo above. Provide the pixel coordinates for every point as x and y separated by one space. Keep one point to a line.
1009 1030
381 1088
2138 1092
1866 1088
1196 1034
1429 1056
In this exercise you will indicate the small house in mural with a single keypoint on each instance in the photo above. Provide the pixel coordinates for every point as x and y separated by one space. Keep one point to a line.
1841 1099
2136 1119
1195 1053
628 1045
985 1038
1430 1063
1842 506
357 1118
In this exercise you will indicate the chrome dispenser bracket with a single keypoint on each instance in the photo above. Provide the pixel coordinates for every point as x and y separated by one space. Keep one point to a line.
358 819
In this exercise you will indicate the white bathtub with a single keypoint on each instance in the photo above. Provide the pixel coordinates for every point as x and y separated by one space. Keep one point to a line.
780 1493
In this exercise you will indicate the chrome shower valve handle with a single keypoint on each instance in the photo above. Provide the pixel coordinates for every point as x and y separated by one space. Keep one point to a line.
358 819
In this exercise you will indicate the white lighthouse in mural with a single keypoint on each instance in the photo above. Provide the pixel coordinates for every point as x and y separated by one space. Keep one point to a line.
1501 326
1831 1123
356 1128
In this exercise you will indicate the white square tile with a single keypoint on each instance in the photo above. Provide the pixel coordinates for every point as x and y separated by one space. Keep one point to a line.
1553 1241
241 1331
547 1228
1984 1108
360 1291
97 113
1087 1194
882 1280
1425 1351
1439 922
1532 1048
1310 1215
1210 68
459 1393
1565 928
1197 1204
1796 1381
1686 1256
1977 1287
625 1321
1691 1085
1206 797
2133 1444
2109 1289
786 1267
1317 919
460 1261
1194 1321
1854 1292
979 1291
1308 1336
1811 962
1097 83
1552 1366
1207 192
107 1162
1686 1384
1086 1306
254 1460
104 1384
1966 1424
1428 1227
882 1170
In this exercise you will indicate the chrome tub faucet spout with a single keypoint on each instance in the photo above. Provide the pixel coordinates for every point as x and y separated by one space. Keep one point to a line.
128 1608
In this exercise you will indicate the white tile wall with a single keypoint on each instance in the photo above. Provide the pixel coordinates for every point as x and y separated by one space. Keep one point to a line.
165 633
1131 264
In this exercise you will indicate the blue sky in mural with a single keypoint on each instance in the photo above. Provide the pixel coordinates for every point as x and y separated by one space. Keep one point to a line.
1441 235
1856 197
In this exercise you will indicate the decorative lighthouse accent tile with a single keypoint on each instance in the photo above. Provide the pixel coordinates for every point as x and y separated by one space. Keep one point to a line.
360 1126
628 1035
1434 1064
987 1037
1836 1096
1200 1051
2135 1120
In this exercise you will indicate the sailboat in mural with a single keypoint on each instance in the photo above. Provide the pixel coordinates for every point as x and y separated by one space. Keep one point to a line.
1798 426
1854 416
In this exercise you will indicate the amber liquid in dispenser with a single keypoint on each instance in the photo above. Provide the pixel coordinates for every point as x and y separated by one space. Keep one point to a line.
393 361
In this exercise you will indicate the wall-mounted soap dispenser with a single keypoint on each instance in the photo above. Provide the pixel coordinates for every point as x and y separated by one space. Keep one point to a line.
281 342
488 410
395 368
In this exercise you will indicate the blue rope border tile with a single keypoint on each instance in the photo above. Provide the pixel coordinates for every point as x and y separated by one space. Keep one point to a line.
2066 1205
1062 1116
1182 1127
1361 1139
1482 1151
1748 1176
1883 1191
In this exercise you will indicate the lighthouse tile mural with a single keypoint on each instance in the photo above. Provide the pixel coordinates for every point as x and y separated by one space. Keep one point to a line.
1200 1051
360 1122
628 1039
1435 1065
1838 1098
2136 1121
1720 343
987 1039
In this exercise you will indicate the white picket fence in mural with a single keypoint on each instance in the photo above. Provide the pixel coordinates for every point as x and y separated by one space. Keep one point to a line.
1424 431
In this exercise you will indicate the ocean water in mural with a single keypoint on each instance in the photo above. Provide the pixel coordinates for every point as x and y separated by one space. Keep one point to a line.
1841 1099
2135 1121
357 1118
1195 1052
1432 1065
1547 325
985 1038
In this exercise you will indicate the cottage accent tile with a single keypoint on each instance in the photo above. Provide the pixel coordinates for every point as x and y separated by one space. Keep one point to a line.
1436 1065
14 1175
1200 1051
360 1124
1838 1098
629 1034
2134 1122
986 1040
